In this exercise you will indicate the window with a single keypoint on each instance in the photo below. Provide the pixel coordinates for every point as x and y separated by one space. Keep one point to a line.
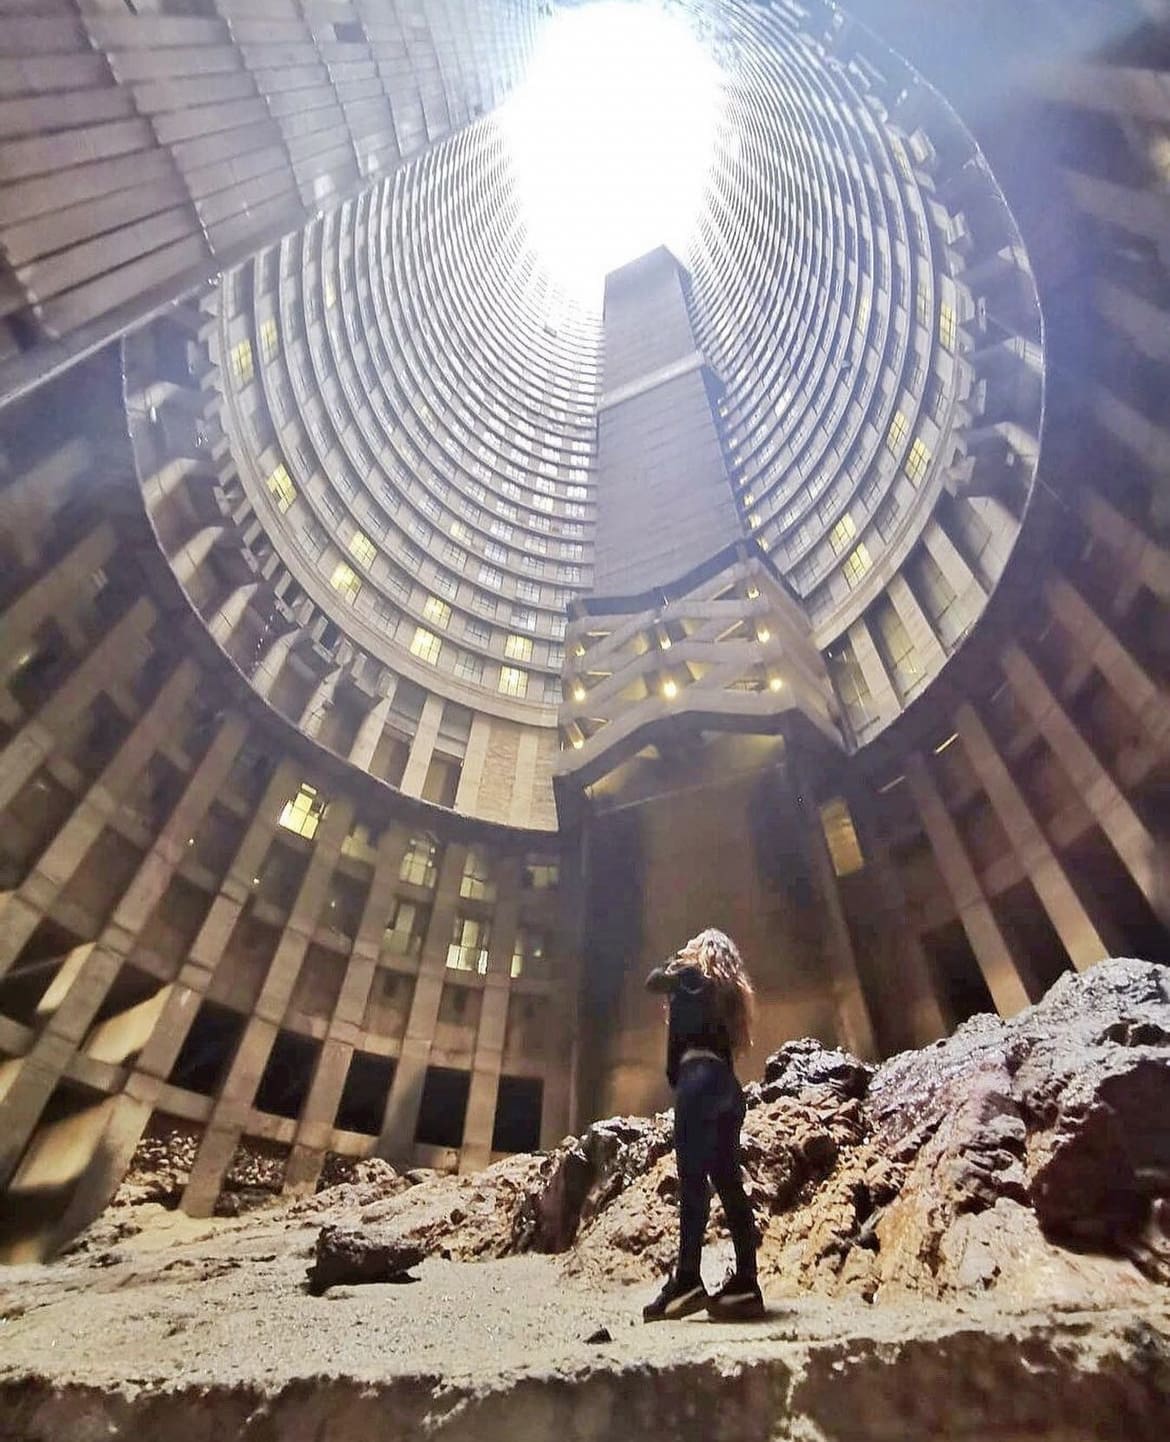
478 632
518 648
363 548
468 667
857 565
476 883
446 584
918 461
528 952
468 951
897 432
242 364
345 581
408 926
282 488
948 325
420 863
841 837
842 533
437 611
489 576
304 812
541 875
269 339
426 645
513 682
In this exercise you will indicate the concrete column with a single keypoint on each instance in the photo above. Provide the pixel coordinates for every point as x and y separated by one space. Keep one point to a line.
316 1124
1137 555
493 1022
369 733
917 623
1131 839
1044 869
873 668
55 590
234 1103
474 760
987 940
21 910
952 563
109 660
396 1143
1101 648
903 957
422 747
319 702
66 1029
524 785
188 560
270 667
854 1024
27 500
229 615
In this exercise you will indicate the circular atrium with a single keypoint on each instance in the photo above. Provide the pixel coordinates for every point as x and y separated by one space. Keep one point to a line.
489 489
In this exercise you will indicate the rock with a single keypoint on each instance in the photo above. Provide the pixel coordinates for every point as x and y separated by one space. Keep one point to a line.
801 1065
601 1335
346 1255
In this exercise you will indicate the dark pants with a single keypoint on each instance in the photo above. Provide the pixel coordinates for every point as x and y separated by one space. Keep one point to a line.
708 1115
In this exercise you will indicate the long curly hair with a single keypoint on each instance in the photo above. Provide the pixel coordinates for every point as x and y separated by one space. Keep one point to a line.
715 954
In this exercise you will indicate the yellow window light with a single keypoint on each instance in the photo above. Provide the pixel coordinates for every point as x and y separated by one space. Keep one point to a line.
578 692
670 689
776 683
282 488
345 580
763 634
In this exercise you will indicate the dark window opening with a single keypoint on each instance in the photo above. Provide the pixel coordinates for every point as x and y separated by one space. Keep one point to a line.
518 1109
363 1099
1036 947
443 1110
207 1052
284 1086
961 986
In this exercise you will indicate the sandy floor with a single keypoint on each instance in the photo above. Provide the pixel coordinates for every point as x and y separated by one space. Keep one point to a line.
189 1306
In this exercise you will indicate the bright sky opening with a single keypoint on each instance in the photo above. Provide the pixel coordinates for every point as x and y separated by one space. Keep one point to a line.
612 134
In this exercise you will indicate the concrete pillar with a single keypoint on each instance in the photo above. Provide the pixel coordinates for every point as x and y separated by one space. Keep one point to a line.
953 564
917 623
1075 928
110 660
1137 555
272 664
55 590
319 703
1099 646
188 560
1130 838
396 1143
422 747
902 956
524 783
854 1024
230 613
66 1028
369 733
21 910
873 668
474 760
987 940
28 499
234 1102
316 1124
493 1022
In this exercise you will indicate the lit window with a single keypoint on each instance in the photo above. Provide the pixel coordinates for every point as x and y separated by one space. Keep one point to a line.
408 925
922 300
842 533
948 325
518 648
857 565
304 812
420 864
281 486
363 548
897 433
841 837
469 945
437 611
242 365
527 952
476 883
541 875
426 645
918 461
269 339
513 682
345 581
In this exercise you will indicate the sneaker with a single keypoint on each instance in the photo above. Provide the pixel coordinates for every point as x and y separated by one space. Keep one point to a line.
677 1299
738 1300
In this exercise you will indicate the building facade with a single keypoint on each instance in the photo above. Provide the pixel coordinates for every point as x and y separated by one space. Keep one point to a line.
399 655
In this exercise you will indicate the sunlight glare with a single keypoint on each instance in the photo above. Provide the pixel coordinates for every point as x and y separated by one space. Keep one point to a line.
612 135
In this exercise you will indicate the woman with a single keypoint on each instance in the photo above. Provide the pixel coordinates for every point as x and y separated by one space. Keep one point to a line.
710 1009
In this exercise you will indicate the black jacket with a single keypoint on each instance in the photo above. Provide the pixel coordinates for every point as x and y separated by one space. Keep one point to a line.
694 1018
